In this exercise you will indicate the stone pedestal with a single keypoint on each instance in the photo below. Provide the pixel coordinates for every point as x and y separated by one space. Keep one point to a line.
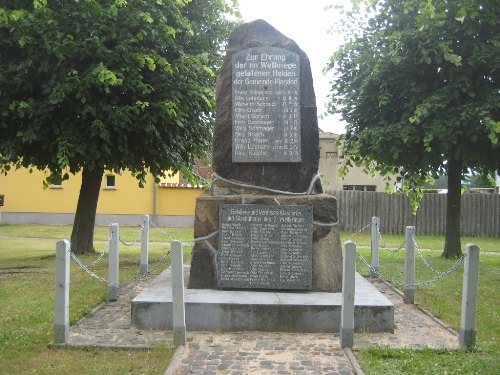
327 250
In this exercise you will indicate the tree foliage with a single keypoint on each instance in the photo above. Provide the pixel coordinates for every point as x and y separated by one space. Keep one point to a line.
93 85
418 85
112 83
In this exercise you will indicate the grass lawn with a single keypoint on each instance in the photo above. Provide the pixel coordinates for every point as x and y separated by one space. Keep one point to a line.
27 269
442 298
27 293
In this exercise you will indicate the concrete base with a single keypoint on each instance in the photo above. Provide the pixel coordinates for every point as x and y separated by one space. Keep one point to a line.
219 310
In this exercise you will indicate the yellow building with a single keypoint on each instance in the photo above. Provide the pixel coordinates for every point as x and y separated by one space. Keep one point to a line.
121 200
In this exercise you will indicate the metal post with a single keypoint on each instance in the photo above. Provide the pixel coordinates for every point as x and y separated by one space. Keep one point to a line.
348 291
467 335
179 314
144 245
113 263
409 295
375 246
61 310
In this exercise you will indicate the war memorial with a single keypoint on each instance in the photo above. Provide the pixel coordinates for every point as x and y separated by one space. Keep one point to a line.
267 255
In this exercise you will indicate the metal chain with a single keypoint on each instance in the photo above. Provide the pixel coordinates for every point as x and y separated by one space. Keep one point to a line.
156 265
136 240
86 269
158 229
360 231
377 273
383 244
427 264
101 254
441 275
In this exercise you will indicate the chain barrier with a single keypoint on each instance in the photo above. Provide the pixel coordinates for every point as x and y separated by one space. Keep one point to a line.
165 233
427 264
99 258
439 275
360 231
136 240
154 267
86 269
442 275
377 273
384 246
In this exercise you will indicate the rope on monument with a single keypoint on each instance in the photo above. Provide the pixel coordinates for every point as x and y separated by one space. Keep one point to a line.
249 186
208 244
213 234
325 225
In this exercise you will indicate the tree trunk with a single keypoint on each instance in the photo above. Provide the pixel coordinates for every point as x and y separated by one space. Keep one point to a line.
452 246
82 237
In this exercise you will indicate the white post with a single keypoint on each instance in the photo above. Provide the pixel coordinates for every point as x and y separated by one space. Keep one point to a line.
113 262
179 314
61 310
375 246
409 295
144 245
497 181
467 335
348 291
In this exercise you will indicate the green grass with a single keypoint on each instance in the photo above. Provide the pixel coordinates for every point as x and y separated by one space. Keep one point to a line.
27 269
27 288
101 233
443 299
436 243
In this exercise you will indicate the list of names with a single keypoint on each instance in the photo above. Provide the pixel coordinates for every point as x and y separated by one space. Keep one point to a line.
265 247
266 106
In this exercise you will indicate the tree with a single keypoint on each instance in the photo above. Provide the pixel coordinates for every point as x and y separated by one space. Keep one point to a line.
481 180
418 85
100 85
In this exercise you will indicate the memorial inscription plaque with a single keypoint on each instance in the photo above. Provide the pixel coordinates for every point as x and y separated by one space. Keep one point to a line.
265 247
266 106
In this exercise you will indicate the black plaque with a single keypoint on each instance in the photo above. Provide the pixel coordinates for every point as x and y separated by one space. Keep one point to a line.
266 106
265 247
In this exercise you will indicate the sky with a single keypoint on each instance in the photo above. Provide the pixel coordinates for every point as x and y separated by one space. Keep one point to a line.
306 22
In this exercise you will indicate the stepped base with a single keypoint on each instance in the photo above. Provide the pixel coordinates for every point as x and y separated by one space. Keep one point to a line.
219 310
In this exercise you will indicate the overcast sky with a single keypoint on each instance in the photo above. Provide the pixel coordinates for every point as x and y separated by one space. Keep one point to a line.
306 22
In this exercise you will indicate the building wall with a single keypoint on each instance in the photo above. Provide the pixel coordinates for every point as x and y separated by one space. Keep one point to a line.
177 201
329 165
26 201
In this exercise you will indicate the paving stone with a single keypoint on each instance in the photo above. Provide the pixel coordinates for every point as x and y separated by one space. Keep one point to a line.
258 352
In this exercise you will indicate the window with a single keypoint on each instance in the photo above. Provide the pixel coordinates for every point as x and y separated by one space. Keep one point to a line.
360 187
110 181
331 154
56 182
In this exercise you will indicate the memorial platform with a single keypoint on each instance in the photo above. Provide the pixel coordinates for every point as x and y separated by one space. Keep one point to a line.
235 310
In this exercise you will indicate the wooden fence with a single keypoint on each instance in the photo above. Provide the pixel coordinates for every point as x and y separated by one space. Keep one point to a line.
480 213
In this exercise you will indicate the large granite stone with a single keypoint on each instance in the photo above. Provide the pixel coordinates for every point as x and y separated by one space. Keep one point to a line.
327 251
285 176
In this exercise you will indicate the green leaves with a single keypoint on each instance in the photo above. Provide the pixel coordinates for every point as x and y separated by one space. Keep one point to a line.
418 85
106 76
121 84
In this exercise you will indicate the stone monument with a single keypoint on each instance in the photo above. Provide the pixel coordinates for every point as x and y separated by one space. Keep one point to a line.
265 224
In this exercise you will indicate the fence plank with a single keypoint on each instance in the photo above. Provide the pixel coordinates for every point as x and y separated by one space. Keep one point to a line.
480 213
